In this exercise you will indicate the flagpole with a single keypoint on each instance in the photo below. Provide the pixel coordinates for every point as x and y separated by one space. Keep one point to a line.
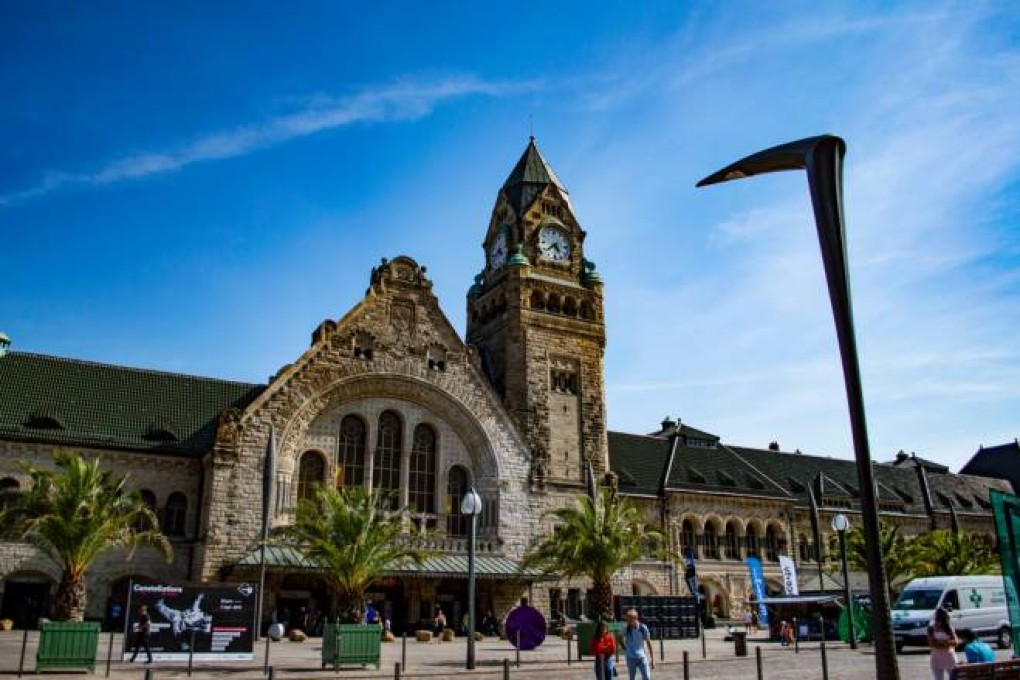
267 499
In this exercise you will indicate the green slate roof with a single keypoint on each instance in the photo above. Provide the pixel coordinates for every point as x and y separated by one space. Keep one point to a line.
638 461
80 403
531 174
435 566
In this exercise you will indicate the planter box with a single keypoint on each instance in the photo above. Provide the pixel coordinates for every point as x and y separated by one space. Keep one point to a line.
351 643
67 644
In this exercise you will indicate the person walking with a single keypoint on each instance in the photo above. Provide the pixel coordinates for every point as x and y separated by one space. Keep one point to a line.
603 648
636 639
942 641
144 625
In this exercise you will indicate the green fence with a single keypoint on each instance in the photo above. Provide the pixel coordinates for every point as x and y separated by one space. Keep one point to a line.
352 644
67 644
1006 510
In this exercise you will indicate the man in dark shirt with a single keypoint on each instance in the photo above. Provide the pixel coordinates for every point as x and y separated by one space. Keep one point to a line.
142 633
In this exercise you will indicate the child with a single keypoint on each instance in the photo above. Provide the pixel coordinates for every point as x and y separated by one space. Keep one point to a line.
976 650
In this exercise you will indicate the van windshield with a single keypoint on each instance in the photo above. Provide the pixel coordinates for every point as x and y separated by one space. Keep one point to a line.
918 599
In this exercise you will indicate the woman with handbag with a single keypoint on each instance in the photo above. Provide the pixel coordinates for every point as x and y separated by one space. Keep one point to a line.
603 647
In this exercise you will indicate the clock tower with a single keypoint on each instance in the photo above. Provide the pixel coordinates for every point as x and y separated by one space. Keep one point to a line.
535 316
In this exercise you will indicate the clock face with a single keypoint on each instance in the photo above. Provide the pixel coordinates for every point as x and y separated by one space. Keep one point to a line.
553 244
498 251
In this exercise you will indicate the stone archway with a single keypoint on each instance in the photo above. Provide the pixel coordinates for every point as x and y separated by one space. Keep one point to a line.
643 588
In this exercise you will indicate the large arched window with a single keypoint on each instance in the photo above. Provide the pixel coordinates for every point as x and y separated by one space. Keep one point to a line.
422 473
174 514
311 474
456 487
711 541
352 452
732 547
386 467
751 541
771 544
687 538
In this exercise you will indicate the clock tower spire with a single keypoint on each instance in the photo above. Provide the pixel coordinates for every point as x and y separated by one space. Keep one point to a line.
535 314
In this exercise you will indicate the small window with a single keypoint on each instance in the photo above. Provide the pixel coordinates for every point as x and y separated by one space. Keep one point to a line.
695 477
149 499
174 514
563 381
436 358
364 346
311 474
9 485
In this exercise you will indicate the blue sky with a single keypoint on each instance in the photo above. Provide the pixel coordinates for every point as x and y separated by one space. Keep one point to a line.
194 187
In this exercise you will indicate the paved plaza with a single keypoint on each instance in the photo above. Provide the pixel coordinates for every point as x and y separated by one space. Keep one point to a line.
549 662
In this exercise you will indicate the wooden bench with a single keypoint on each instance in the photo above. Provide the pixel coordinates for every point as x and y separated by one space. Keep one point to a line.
999 670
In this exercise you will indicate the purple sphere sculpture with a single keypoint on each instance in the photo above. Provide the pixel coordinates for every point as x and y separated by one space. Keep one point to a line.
530 623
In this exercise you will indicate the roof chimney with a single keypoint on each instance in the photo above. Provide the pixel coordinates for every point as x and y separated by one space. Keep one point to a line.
667 424
773 446
901 456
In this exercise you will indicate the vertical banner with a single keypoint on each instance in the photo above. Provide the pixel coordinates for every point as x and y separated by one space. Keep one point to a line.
691 575
218 619
1006 511
789 570
758 587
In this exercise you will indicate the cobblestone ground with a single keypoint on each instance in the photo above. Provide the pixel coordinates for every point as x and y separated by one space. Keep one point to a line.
549 662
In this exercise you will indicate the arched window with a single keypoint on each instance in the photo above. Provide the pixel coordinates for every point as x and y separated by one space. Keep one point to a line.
771 544
687 538
174 514
732 547
751 541
711 541
9 485
311 474
386 468
422 474
352 452
804 547
456 487
149 499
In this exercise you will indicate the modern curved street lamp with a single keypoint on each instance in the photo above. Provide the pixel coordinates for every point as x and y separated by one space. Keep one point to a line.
822 158
472 507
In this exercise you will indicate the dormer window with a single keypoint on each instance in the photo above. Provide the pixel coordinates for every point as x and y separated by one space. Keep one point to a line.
44 420
364 346
694 476
160 431
725 479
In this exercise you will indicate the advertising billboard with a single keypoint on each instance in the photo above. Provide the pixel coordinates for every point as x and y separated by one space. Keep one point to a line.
217 619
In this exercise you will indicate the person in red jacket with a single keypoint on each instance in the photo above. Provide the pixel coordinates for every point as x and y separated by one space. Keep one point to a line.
603 648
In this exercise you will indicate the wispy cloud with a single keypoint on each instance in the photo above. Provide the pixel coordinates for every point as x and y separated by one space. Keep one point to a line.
400 101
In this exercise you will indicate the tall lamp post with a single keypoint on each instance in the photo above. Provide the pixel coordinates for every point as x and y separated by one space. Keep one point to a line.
822 158
471 506
840 524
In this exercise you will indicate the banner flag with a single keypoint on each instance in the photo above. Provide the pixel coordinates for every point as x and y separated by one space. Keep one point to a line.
1006 511
758 587
789 570
691 575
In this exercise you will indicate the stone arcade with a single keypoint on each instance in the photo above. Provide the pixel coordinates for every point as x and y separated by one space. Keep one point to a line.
390 396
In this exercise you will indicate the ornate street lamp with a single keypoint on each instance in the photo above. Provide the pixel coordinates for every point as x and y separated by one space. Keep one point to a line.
840 524
822 158
472 507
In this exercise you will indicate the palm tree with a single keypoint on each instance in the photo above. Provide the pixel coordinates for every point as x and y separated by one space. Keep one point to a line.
75 514
897 554
948 553
595 538
355 537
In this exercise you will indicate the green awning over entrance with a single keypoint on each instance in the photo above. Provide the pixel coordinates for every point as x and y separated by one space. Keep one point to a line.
435 566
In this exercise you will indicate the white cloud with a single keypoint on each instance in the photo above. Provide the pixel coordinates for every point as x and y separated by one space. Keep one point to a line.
405 100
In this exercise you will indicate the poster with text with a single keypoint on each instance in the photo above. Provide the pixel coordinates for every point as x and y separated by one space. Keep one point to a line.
217 619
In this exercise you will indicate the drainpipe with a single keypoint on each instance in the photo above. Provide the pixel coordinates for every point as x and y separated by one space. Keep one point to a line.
664 502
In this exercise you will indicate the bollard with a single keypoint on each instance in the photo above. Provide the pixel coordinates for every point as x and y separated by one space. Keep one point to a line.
265 663
24 644
796 637
704 648
191 651
662 649
109 654
148 674
506 668
396 671
272 673
403 652
757 659
825 663
518 648
687 667
570 653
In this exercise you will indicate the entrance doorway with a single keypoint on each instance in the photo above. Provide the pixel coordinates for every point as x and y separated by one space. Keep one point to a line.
26 600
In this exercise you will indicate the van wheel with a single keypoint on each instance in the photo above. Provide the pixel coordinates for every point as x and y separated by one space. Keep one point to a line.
899 646
1005 638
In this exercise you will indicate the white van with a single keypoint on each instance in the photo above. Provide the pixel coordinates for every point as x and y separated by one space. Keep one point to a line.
975 602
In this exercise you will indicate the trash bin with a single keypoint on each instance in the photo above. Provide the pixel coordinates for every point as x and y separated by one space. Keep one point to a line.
740 644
